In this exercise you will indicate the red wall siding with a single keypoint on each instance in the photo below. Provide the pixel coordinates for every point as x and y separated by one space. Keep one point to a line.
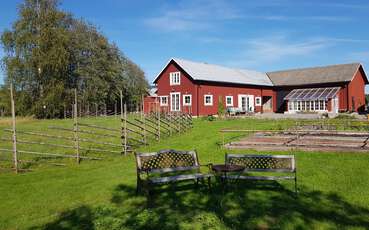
342 98
187 86
356 90
271 93
223 91
150 104
198 90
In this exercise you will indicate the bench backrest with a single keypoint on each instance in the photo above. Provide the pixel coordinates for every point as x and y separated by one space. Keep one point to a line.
263 163
166 161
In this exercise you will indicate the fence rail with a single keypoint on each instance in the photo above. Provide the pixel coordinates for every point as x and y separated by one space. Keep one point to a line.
83 138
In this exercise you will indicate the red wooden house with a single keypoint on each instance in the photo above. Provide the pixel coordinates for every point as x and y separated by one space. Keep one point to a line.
198 88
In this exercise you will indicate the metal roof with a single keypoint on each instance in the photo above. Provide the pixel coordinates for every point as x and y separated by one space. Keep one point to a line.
312 94
152 92
215 73
314 75
294 77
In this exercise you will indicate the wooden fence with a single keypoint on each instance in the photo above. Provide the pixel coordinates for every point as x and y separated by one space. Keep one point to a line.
82 139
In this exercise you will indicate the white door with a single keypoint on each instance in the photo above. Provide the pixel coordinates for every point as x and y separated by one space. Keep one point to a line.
335 105
250 105
175 103
246 103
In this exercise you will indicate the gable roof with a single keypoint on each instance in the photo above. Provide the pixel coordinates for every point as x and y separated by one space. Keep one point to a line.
315 75
208 72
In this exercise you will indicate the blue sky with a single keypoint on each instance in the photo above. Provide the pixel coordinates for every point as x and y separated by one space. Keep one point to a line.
263 35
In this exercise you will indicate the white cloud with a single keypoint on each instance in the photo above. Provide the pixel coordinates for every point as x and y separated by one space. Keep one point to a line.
301 18
192 15
277 47
274 48
360 56
197 15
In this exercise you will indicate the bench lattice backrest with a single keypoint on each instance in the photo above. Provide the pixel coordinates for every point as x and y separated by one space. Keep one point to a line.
167 161
275 163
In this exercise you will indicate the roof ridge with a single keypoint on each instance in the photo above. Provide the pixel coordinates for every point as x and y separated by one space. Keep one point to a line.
222 66
314 67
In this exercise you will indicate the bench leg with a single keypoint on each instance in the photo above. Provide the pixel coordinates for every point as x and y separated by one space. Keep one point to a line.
209 183
197 183
138 187
296 186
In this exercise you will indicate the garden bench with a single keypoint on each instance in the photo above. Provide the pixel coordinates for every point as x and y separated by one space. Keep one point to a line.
263 164
168 166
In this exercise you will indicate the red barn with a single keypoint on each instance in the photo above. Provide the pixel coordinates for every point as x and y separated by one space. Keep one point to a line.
199 88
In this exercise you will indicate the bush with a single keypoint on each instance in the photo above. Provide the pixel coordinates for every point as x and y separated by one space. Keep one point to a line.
344 117
210 118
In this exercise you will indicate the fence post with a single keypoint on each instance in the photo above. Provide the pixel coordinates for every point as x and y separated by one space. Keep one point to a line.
121 122
15 155
159 125
143 119
75 126
178 122
88 110
170 124
65 112
96 109
125 129
115 109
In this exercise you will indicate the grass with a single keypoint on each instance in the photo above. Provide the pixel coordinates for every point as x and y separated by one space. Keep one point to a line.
333 191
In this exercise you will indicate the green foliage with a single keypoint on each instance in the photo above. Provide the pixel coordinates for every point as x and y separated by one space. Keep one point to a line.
208 118
48 53
4 101
333 189
343 116
221 110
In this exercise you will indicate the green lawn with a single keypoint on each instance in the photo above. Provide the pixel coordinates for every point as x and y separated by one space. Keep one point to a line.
333 191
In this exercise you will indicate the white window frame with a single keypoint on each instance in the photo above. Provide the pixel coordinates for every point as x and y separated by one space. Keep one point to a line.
302 105
184 101
175 78
230 104
256 101
211 100
161 100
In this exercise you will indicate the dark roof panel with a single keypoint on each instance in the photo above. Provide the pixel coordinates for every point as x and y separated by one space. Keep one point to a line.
315 75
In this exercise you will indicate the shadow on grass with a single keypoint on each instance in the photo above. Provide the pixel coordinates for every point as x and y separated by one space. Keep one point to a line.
246 206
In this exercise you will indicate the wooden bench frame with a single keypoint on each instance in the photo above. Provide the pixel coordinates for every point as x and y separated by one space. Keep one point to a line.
263 163
184 163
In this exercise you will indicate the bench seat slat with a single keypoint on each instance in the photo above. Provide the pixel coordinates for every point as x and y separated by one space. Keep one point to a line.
159 180
269 170
166 170
260 177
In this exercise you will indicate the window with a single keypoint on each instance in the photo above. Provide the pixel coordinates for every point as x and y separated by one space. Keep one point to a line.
322 105
175 102
229 100
187 99
258 101
163 100
175 78
318 105
208 99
